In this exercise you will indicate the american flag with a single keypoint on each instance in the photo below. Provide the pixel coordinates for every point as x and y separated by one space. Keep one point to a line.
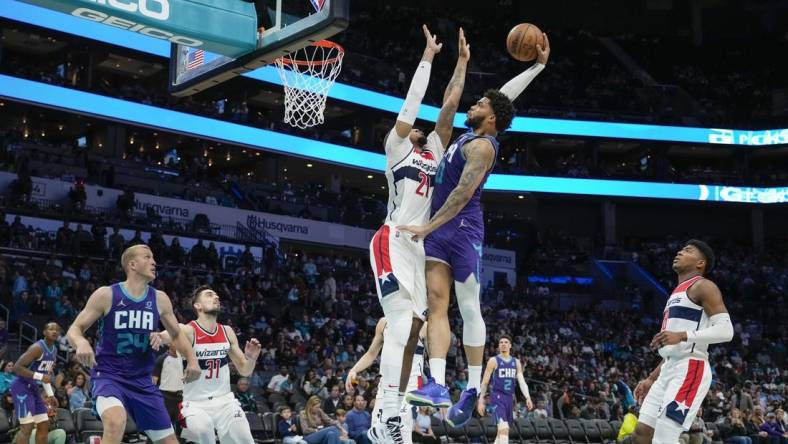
317 4
195 58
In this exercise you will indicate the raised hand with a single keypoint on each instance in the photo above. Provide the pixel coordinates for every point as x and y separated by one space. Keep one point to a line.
464 47
432 40
252 349
543 53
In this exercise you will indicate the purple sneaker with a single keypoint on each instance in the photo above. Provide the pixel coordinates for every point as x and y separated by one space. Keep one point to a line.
431 395
461 413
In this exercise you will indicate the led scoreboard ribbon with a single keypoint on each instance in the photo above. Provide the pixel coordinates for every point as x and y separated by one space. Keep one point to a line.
135 113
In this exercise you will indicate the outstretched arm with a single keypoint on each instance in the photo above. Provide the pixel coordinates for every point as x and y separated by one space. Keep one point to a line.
480 155
491 365
418 86
453 93
513 88
244 360
369 357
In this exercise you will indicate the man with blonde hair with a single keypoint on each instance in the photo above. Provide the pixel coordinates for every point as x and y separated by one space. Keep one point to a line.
123 362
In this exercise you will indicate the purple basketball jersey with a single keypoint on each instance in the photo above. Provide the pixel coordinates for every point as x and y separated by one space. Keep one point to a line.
25 391
505 376
123 349
447 178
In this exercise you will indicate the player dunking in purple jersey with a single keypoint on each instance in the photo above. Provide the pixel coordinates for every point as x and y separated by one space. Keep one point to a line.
504 371
33 366
127 313
453 241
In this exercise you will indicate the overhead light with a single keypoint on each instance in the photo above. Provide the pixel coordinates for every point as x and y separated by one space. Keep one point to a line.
521 197
309 165
369 176
257 153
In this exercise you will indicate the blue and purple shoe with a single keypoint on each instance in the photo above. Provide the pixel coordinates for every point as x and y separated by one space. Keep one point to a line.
431 395
461 413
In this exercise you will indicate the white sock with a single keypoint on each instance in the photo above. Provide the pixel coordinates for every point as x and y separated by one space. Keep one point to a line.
475 377
438 370
503 439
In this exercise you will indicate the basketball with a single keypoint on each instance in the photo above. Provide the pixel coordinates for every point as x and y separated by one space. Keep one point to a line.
522 40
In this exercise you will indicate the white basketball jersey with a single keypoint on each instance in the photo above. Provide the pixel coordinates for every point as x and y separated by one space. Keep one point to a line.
410 172
681 314
212 352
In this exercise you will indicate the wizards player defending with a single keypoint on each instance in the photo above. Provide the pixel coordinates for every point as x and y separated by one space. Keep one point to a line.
453 241
694 317
209 404
398 263
35 366
127 313
504 370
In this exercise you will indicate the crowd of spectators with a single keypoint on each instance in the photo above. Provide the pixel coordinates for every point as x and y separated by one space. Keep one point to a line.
315 314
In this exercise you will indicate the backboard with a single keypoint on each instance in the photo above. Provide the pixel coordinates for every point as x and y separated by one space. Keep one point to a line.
284 25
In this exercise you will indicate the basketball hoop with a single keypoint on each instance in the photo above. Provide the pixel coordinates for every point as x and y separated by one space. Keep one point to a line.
307 75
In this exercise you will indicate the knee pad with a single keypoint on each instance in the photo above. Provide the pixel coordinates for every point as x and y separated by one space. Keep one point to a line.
474 331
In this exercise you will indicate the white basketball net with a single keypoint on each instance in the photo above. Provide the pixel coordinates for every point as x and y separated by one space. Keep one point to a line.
307 75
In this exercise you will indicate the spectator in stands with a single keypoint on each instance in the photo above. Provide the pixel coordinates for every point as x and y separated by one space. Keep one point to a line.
168 375
775 431
6 375
333 402
422 427
274 386
78 394
314 385
344 438
116 243
736 430
697 433
288 431
359 421
3 341
244 396
125 204
539 411
347 402
318 427
61 394
74 369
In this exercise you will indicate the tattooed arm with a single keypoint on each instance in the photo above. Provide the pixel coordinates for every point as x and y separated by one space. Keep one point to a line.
451 98
479 156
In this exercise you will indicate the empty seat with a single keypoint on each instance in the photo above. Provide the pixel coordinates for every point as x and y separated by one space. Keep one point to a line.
543 431
258 428
606 430
526 430
560 431
576 431
474 431
591 430
66 422
87 423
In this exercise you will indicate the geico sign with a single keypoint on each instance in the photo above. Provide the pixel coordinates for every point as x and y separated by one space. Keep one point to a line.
142 5
118 22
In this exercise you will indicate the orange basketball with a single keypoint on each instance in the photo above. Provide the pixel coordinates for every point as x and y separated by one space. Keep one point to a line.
522 40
